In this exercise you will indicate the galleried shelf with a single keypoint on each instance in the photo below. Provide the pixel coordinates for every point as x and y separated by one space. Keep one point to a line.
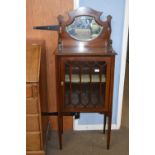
84 66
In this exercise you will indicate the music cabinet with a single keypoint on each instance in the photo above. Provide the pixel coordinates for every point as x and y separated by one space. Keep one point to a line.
84 66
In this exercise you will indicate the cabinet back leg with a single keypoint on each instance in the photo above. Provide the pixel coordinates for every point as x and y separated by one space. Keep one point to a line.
104 125
109 131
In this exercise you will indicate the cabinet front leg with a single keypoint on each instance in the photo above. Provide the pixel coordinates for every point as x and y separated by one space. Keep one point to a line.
61 124
109 131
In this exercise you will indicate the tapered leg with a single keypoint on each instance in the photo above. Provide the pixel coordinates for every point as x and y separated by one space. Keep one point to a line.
109 131
105 121
62 124
60 131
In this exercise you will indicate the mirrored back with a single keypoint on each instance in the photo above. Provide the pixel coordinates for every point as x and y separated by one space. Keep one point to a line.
84 28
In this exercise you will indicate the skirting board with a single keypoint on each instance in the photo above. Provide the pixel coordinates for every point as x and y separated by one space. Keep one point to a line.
80 127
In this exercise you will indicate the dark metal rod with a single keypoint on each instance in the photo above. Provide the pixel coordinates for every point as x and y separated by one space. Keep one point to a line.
49 113
76 114
50 27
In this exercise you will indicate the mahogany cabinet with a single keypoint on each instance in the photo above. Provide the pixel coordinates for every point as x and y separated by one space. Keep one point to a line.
85 66
36 101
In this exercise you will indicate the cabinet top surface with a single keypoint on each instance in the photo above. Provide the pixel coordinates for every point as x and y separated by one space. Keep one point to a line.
33 55
74 51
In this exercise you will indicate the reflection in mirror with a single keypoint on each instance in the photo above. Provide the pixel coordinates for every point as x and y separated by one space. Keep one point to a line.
84 28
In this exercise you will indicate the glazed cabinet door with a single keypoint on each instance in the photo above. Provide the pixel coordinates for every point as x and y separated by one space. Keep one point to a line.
85 83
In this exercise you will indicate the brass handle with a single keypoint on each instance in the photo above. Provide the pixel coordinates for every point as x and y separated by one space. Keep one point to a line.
62 83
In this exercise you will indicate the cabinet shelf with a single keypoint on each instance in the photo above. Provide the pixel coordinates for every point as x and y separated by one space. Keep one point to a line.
85 78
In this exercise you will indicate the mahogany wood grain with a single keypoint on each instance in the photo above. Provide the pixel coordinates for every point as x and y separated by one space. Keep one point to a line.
45 12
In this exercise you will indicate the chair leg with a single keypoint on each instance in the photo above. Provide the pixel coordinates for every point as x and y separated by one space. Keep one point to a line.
109 131
105 121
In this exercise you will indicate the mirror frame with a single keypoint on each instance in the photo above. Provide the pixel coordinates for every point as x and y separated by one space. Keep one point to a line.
103 40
